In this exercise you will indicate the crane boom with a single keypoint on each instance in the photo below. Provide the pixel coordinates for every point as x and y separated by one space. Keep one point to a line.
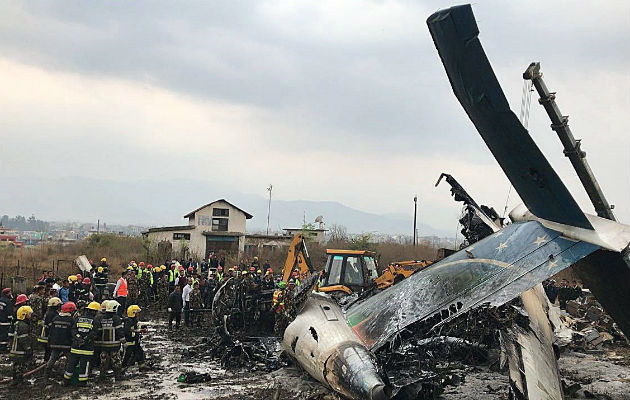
560 124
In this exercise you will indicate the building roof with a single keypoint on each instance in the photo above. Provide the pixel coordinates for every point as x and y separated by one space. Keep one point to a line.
247 215
263 236
171 228
305 230
354 252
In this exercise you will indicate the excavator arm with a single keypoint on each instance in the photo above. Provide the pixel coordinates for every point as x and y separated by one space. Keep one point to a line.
297 258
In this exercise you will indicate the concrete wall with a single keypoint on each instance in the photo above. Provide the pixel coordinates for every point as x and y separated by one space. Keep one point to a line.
236 220
196 244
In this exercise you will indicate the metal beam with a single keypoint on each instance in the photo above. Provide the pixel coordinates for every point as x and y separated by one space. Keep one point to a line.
560 124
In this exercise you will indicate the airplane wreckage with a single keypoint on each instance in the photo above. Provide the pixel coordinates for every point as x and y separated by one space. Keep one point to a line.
341 339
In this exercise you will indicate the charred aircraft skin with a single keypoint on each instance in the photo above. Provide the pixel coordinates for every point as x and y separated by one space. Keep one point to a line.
321 341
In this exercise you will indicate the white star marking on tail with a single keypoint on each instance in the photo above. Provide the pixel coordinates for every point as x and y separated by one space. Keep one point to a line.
540 240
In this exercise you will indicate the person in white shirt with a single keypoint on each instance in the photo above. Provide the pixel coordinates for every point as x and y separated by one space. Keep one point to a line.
186 299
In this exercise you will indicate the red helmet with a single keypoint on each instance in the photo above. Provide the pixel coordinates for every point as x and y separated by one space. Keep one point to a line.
141 263
21 299
6 290
149 266
269 270
91 261
252 269
79 277
219 268
69 307
190 269
86 281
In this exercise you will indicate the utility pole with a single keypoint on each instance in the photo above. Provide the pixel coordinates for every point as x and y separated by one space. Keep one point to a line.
415 214
98 226
269 207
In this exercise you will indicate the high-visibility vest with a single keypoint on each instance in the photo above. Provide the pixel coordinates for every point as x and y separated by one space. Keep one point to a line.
219 276
171 276
122 289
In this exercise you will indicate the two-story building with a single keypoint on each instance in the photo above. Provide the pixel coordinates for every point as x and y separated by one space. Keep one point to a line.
219 226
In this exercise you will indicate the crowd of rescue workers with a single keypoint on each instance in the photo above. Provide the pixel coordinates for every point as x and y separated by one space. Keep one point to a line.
94 324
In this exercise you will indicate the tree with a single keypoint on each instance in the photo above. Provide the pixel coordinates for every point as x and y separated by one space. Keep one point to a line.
362 242
337 233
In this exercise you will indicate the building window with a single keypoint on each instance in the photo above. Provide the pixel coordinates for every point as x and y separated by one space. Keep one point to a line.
220 212
219 224
204 220
181 236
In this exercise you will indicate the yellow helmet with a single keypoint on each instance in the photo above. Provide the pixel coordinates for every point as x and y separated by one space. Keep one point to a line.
54 302
104 259
94 306
162 267
72 278
24 312
133 310
100 269
259 271
130 268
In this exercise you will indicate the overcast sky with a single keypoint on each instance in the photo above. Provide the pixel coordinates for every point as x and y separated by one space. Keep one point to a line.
327 100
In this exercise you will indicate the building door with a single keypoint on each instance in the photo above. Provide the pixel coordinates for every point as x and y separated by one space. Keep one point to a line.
224 244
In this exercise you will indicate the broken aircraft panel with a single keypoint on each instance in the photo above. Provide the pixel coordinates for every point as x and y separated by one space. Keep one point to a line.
546 198
503 266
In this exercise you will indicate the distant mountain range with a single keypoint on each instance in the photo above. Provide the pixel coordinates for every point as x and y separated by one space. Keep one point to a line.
156 203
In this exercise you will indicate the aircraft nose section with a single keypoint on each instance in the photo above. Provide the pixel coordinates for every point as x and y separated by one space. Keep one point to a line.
352 370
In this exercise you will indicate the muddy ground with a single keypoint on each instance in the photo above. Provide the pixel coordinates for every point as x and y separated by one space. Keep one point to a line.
604 373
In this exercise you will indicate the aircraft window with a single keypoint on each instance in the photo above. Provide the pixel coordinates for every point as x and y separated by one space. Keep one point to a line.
334 276
354 274
370 263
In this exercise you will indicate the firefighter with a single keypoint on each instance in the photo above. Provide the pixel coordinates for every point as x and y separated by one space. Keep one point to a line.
133 352
100 281
60 335
54 303
219 274
20 301
6 316
84 330
82 293
22 345
268 282
110 335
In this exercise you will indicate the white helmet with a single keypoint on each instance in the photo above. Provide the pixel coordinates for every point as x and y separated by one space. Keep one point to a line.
112 306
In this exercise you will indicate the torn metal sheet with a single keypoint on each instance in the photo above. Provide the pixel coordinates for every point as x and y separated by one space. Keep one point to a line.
532 363
502 266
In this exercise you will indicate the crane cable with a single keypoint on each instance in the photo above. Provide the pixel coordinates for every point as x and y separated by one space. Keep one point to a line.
526 102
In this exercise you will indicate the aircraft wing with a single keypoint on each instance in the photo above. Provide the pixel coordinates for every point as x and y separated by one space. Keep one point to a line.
494 270
455 32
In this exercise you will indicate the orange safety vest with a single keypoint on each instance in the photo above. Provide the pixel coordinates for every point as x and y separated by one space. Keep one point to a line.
122 289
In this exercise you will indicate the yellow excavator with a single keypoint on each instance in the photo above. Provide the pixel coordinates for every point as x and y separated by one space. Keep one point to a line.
347 271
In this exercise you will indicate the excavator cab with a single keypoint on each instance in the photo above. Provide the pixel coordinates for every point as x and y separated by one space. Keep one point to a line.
349 271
